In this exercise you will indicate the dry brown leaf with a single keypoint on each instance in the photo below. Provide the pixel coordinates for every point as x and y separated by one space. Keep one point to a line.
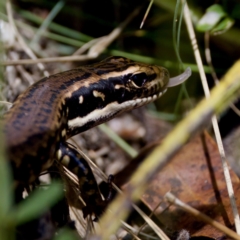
195 176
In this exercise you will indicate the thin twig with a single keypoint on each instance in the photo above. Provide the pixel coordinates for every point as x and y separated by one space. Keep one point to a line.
209 58
146 14
98 45
86 46
214 118
47 60
127 227
24 74
118 140
187 208
103 176
152 224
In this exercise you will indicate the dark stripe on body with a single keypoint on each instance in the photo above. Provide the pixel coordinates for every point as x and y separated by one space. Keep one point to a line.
39 115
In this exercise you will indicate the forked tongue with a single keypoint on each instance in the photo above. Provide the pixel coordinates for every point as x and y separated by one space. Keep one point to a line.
174 81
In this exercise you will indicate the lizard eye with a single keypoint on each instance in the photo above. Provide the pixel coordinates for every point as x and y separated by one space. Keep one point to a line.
139 79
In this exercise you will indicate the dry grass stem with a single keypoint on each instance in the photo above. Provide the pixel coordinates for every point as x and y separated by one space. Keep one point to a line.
213 72
221 95
6 103
105 41
24 46
47 60
187 208
152 224
214 118
103 176
146 14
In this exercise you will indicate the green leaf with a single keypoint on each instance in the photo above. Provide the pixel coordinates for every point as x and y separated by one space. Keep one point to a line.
37 203
211 18
6 188
216 8
223 26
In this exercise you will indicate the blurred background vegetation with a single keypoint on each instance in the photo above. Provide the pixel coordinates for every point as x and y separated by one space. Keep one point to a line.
82 20
87 19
